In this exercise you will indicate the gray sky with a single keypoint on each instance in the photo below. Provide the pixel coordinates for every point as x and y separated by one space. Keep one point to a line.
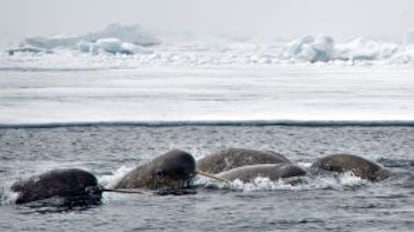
384 19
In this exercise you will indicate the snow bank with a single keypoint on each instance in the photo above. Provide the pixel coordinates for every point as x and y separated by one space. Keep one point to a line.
111 45
131 40
324 49
309 48
115 38
365 49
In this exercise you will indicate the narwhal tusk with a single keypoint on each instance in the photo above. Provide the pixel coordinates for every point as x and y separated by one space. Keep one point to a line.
132 191
212 176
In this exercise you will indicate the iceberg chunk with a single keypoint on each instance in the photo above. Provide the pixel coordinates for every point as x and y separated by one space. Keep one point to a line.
133 34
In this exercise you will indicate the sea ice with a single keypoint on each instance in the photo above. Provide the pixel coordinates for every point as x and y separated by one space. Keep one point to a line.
132 34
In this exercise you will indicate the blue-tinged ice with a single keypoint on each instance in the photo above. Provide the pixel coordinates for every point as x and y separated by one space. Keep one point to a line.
132 34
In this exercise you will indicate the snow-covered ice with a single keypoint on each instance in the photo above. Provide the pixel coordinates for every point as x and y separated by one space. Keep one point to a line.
147 48
169 94
125 74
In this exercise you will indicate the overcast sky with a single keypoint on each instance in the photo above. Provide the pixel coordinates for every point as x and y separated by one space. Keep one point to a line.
384 19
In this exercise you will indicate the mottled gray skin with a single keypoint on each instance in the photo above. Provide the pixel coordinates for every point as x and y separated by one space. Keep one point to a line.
58 183
272 171
172 170
359 166
237 157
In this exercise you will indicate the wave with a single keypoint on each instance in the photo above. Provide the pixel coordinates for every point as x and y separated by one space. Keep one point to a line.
339 182
396 163
313 181
6 195
253 123
111 180
145 48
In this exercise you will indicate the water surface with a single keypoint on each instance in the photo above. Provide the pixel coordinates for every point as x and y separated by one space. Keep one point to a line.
337 203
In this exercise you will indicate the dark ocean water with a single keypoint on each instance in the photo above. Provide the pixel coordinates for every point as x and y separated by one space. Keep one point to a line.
319 203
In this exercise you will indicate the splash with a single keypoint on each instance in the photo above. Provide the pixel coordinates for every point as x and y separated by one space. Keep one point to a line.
110 181
339 182
6 195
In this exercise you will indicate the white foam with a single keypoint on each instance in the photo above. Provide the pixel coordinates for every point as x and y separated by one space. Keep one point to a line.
261 184
6 195
304 164
349 179
338 182
109 181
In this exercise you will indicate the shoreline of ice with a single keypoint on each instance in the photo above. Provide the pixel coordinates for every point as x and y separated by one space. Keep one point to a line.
215 94
208 123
